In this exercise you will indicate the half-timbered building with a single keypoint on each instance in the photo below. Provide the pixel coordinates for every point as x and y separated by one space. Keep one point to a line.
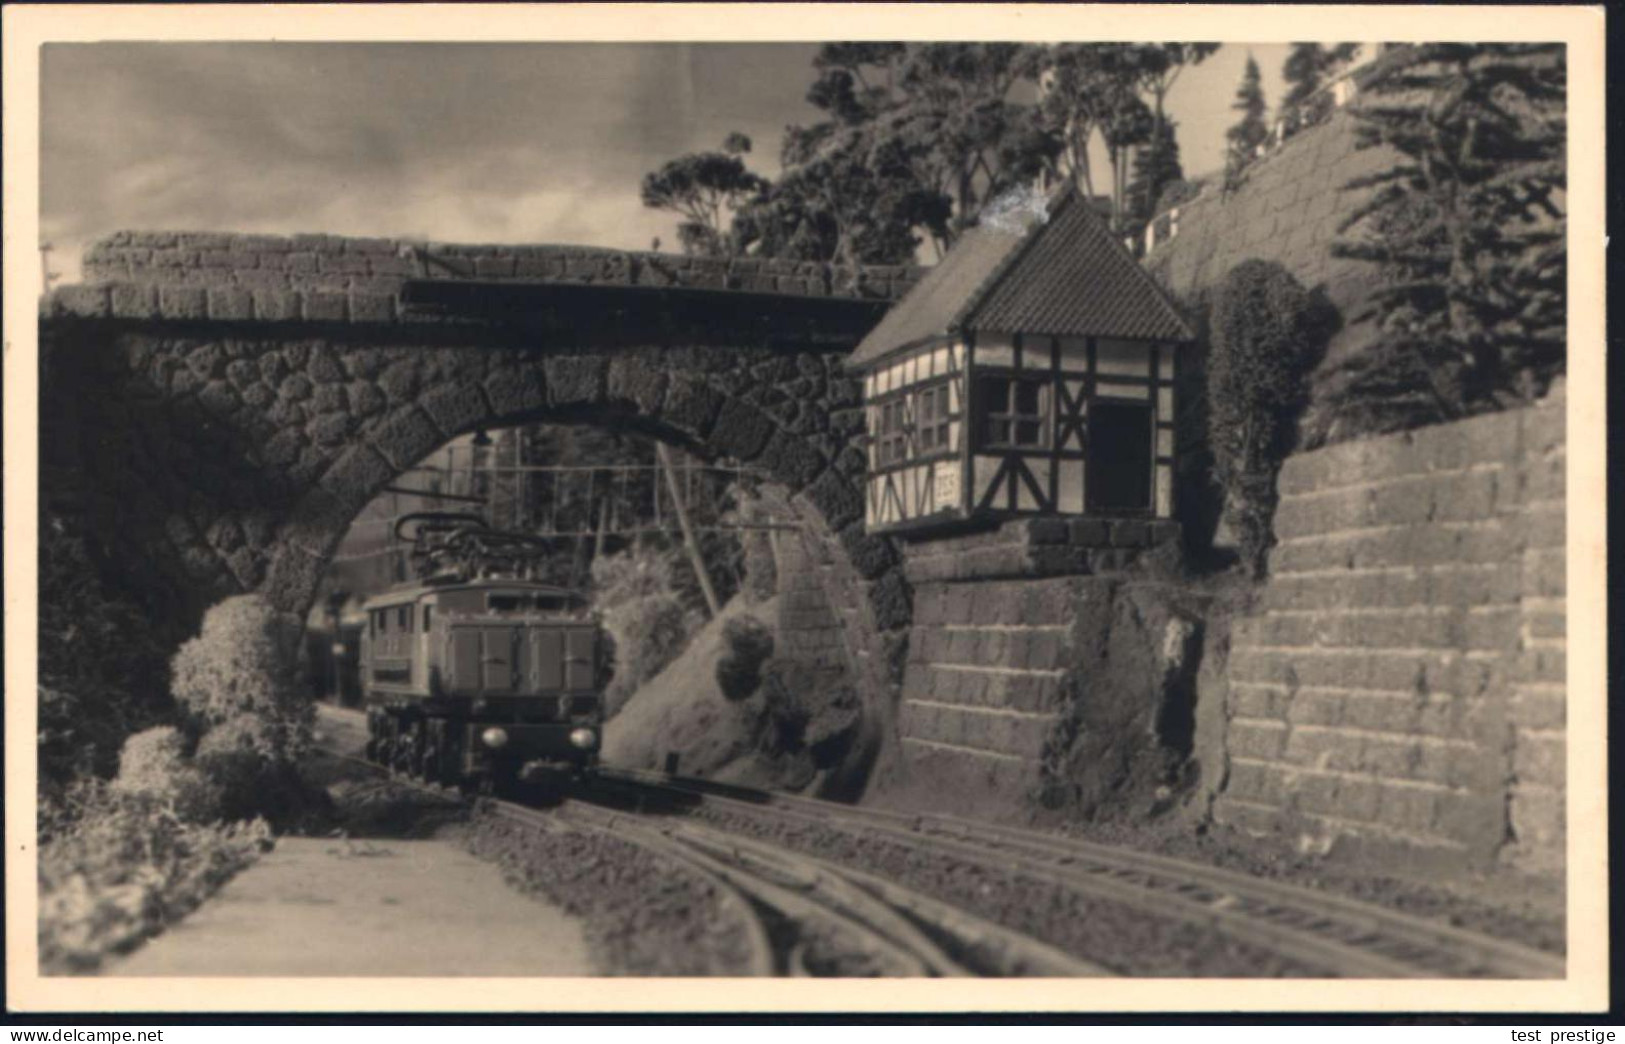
1031 372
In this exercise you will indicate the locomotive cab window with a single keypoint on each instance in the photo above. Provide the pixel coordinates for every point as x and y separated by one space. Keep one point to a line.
403 618
428 612
506 603
1012 412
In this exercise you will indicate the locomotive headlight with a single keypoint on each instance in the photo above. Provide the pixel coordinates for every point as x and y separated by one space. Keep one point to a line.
586 739
494 738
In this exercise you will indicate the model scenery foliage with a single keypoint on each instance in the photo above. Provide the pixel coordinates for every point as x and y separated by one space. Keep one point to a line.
916 139
1467 229
1307 67
1266 330
1249 133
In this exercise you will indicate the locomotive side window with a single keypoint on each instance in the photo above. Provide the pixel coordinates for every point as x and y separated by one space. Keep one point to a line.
403 618
381 618
428 610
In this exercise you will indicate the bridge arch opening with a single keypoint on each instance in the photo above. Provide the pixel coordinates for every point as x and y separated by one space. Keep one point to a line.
209 459
589 512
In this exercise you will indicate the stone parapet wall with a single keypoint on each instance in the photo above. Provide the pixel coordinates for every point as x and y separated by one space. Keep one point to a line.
1038 547
1403 679
266 266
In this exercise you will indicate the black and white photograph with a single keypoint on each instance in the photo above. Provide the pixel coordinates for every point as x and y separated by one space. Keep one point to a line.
1077 500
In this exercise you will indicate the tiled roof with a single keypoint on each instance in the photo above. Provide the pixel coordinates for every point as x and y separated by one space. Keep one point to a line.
1065 276
933 306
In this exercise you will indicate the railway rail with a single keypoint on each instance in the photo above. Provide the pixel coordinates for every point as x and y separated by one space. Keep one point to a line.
1343 936
808 915
804 916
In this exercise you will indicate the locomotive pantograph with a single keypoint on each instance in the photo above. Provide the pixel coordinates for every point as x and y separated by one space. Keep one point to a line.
476 670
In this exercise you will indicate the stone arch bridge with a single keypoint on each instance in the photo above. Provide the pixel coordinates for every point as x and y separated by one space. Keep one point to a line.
216 409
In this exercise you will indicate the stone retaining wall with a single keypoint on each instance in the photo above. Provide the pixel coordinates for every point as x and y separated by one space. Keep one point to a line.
1037 659
1403 680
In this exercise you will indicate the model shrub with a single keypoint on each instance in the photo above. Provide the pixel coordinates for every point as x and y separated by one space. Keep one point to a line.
253 760
746 645
807 711
1265 332
244 662
154 765
102 667
649 623
126 865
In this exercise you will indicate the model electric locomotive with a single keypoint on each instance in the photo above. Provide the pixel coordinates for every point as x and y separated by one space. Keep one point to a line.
476 670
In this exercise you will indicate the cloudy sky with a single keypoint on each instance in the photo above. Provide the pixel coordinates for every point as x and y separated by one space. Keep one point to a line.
450 142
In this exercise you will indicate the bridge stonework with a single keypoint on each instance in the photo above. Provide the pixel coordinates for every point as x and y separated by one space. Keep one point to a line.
213 424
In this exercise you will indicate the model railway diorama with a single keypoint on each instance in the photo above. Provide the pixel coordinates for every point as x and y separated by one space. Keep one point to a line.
475 673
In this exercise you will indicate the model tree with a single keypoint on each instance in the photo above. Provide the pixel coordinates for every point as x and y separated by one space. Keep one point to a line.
1115 92
1248 133
1155 167
704 188
1468 228
1306 67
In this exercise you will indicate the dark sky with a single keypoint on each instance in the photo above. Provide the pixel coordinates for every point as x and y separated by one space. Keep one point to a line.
453 142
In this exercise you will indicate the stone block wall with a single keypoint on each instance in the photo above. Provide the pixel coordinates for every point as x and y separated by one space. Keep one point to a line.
1037 660
1044 546
982 691
264 269
1403 679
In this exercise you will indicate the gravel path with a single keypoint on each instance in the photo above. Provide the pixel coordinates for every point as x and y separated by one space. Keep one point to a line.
339 907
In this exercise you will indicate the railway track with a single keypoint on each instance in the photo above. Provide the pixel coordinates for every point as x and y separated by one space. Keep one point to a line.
804 916
807 915
1344 937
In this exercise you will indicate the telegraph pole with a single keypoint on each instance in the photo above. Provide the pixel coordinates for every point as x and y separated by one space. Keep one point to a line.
695 558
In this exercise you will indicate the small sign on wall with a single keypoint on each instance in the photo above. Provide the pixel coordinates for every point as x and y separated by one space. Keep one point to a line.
946 485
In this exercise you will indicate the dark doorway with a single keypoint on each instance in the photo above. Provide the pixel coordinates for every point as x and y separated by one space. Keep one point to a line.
1119 476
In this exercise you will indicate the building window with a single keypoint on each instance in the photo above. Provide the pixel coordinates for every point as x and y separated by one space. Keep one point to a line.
893 434
1013 411
931 418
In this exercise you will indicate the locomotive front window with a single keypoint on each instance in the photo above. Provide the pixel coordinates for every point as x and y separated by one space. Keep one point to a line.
505 603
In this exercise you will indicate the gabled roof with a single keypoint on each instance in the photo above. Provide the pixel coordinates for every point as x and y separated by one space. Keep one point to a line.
1066 275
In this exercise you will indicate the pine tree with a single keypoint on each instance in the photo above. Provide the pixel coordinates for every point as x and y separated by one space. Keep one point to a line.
1249 132
1155 166
1306 67
1467 228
